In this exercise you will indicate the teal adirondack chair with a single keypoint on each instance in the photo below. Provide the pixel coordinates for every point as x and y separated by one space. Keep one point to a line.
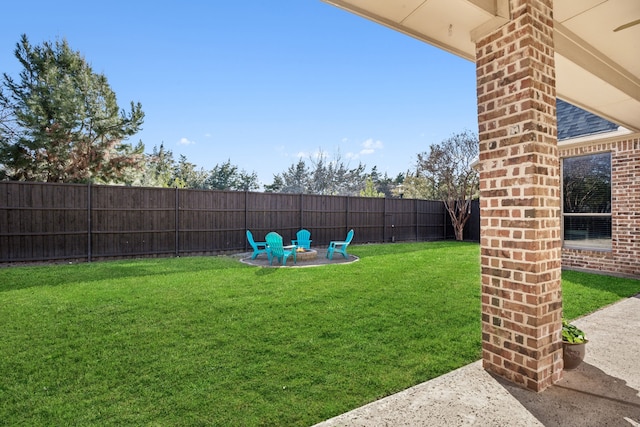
303 239
340 246
258 247
276 250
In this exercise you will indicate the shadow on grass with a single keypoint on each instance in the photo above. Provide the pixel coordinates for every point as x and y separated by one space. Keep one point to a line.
407 247
23 277
622 287
15 278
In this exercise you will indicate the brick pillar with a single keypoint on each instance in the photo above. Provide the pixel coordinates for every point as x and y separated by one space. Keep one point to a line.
520 198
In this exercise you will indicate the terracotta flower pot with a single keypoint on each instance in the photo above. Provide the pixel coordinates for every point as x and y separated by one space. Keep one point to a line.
573 354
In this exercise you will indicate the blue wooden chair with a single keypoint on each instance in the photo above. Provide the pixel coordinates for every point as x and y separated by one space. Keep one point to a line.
340 246
258 247
276 250
303 239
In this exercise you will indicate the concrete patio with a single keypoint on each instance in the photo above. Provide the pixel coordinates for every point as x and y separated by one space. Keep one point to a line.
603 391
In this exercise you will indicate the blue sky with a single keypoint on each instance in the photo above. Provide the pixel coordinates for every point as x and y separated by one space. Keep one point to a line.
261 83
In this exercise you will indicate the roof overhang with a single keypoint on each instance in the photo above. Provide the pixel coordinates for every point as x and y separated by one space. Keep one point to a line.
597 67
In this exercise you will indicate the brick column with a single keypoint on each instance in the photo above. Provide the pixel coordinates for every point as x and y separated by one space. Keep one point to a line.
520 198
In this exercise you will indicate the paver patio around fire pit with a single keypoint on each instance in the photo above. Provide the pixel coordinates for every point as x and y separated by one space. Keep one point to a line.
309 258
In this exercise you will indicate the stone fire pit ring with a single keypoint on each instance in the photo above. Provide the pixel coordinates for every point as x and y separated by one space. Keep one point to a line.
306 255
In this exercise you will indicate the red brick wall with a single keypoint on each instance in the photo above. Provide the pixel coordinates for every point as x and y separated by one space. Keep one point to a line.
520 198
624 257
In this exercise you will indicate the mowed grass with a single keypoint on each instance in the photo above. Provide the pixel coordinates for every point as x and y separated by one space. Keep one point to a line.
210 341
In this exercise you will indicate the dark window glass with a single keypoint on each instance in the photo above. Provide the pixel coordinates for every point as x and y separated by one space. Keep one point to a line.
586 184
587 232
586 201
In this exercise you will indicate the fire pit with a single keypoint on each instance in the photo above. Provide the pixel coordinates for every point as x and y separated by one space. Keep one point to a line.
306 254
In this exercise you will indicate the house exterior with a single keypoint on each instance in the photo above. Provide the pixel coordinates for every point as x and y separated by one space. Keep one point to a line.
600 221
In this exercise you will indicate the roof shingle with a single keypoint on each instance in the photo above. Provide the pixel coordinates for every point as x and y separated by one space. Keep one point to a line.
574 121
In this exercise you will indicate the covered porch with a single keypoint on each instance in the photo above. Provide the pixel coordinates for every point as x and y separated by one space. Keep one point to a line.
527 53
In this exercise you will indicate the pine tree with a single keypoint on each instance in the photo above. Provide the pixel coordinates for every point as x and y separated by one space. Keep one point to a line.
66 124
370 189
223 177
187 176
296 178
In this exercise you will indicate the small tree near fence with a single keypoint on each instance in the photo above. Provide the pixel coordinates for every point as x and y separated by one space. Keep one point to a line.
448 167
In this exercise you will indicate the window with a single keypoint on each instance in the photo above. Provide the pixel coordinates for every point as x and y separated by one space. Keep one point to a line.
586 201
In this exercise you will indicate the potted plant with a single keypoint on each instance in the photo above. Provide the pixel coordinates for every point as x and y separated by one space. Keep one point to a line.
573 345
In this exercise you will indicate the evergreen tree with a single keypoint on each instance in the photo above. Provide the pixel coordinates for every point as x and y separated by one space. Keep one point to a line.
223 177
276 186
324 177
335 177
227 177
370 189
65 123
296 178
385 184
416 186
158 168
351 181
247 181
185 174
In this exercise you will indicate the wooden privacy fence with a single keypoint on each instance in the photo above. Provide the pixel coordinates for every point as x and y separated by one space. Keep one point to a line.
50 221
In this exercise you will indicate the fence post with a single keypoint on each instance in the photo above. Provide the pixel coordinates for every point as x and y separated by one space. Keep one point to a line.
417 216
89 222
346 216
300 225
444 221
384 222
177 223
246 217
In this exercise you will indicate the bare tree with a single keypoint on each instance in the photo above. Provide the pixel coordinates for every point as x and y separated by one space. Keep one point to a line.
448 168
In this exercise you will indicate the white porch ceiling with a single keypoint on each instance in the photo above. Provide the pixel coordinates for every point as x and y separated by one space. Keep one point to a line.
597 68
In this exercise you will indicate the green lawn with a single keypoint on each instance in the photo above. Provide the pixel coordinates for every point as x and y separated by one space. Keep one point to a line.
211 341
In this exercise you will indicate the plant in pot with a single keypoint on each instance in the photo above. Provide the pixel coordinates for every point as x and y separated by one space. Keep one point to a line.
573 345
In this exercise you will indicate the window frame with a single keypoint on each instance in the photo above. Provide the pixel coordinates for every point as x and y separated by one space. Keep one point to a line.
588 243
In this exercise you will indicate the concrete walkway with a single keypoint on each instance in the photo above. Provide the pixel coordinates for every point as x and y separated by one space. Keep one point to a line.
602 391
